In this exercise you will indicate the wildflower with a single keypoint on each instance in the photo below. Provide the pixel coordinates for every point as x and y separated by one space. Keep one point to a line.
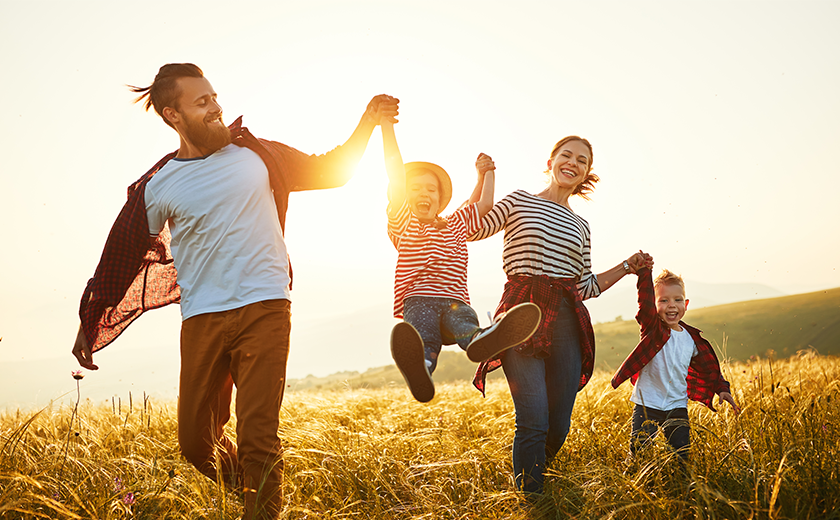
118 485
129 499
77 374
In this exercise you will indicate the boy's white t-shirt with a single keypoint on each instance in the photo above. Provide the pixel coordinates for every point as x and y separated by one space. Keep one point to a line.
226 238
662 382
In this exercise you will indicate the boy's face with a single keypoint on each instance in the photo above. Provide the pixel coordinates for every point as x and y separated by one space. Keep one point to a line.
423 194
670 304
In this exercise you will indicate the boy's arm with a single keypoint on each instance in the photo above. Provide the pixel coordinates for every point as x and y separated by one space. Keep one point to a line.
646 316
395 168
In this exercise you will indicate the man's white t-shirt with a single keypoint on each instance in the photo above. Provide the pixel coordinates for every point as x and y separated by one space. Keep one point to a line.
662 382
226 238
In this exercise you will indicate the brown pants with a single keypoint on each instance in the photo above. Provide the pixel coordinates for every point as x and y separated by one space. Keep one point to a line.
246 347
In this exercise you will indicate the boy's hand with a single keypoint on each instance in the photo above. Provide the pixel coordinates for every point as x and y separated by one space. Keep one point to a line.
484 164
383 108
726 396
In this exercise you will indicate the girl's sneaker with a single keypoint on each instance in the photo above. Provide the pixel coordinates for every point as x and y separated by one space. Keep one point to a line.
409 355
510 329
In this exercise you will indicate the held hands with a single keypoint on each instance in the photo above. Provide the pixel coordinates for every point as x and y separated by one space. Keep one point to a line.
383 108
726 396
640 260
484 164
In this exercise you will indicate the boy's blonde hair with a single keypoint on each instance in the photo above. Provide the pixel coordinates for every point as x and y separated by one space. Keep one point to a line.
666 277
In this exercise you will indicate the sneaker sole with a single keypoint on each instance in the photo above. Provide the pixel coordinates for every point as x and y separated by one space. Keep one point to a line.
407 351
517 325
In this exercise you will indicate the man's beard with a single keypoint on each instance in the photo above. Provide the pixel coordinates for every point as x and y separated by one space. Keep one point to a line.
210 138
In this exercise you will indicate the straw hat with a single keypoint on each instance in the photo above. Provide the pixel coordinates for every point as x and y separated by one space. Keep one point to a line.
440 173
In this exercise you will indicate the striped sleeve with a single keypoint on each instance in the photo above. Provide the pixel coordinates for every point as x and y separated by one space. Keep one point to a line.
398 223
494 221
468 215
588 284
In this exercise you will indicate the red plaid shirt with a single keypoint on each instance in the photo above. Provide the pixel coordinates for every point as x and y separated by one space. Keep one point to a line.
547 293
704 377
135 274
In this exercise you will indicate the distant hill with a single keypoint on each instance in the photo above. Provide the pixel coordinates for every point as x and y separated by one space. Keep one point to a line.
737 330
784 325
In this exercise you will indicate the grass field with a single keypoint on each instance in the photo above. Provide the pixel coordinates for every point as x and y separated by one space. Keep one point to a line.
376 454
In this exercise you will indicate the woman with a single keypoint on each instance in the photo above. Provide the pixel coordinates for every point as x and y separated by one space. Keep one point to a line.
546 258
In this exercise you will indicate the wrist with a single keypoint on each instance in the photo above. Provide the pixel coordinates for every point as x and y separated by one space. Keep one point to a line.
626 266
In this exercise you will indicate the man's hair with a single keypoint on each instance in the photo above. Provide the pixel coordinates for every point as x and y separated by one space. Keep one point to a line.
666 277
588 185
164 91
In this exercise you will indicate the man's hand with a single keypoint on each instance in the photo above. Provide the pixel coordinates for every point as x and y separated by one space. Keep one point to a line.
81 350
383 108
484 164
726 396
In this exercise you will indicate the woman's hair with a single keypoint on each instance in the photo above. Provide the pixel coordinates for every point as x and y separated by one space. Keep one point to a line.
588 185
164 91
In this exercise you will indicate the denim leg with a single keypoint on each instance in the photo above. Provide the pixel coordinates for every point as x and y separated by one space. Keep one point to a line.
678 431
424 314
526 379
562 378
646 423
458 323
544 392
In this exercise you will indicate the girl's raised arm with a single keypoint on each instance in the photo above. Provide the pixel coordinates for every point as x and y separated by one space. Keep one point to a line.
394 166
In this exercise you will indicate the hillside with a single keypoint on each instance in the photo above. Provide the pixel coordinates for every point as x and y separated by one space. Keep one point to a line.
784 325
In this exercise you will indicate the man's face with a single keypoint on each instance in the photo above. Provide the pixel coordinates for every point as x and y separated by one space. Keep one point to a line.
200 116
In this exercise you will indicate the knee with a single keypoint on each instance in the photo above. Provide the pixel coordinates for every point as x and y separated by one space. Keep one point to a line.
196 453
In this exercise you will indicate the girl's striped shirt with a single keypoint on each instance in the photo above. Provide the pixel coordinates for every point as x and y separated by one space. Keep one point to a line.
542 238
431 262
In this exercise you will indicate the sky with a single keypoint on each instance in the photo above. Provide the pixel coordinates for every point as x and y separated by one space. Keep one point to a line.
715 127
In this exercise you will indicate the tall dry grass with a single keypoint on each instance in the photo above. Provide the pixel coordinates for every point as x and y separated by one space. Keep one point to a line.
374 454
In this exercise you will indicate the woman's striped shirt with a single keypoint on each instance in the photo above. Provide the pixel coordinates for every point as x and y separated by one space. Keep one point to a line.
431 262
542 238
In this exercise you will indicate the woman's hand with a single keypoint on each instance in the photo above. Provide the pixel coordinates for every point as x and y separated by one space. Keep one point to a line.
640 260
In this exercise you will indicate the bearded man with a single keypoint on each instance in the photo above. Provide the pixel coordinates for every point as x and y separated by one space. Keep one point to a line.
204 228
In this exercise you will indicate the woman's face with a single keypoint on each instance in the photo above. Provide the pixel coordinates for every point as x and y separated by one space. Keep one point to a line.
570 164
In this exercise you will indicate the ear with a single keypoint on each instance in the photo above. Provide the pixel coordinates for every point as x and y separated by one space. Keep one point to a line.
549 164
171 115
686 304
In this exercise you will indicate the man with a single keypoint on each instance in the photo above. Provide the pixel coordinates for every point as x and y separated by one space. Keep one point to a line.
223 197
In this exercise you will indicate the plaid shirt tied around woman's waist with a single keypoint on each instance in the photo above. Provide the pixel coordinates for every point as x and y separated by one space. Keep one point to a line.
547 293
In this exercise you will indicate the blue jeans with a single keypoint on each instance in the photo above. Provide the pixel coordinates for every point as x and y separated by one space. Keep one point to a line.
440 321
544 392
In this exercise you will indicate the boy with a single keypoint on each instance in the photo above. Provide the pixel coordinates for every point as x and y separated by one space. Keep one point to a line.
430 286
671 364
